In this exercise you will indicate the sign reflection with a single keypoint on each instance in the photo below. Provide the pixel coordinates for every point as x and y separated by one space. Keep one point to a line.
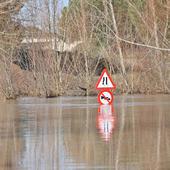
106 121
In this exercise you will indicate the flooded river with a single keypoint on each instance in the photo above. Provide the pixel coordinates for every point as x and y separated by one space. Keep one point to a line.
74 133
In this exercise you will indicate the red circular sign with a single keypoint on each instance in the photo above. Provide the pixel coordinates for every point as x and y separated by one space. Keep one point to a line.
105 97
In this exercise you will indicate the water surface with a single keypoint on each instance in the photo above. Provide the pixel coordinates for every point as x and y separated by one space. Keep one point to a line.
71 133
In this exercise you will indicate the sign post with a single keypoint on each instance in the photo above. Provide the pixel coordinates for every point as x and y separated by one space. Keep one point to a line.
105 84
105 118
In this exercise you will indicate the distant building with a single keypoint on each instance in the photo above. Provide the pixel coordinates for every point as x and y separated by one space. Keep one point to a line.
53 44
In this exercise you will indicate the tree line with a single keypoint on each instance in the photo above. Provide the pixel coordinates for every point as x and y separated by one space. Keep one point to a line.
130 38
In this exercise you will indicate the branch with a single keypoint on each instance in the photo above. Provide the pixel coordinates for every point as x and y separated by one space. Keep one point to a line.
127 41
142 45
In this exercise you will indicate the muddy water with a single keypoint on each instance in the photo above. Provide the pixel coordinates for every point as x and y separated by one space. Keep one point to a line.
75 133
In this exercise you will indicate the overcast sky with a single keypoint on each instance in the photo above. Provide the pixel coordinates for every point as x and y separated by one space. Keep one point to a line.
39 15
65 2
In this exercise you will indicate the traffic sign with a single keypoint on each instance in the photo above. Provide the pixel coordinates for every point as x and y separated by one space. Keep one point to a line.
105 81
105 97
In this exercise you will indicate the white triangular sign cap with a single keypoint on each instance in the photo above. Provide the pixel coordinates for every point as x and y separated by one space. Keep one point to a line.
105 81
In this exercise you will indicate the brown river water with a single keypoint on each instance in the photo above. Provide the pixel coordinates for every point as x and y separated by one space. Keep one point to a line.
74 133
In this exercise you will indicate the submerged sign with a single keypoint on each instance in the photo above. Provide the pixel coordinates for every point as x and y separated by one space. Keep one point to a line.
105 84
105 81
105 97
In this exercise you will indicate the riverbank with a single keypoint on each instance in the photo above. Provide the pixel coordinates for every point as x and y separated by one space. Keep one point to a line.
20 82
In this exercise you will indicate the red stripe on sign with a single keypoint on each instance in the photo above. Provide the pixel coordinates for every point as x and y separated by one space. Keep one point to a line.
105 98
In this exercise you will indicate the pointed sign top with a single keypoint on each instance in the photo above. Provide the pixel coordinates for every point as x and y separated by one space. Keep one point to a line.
105 81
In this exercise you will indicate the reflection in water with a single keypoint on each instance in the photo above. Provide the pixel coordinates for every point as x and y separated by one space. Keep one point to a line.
61 134
106 121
